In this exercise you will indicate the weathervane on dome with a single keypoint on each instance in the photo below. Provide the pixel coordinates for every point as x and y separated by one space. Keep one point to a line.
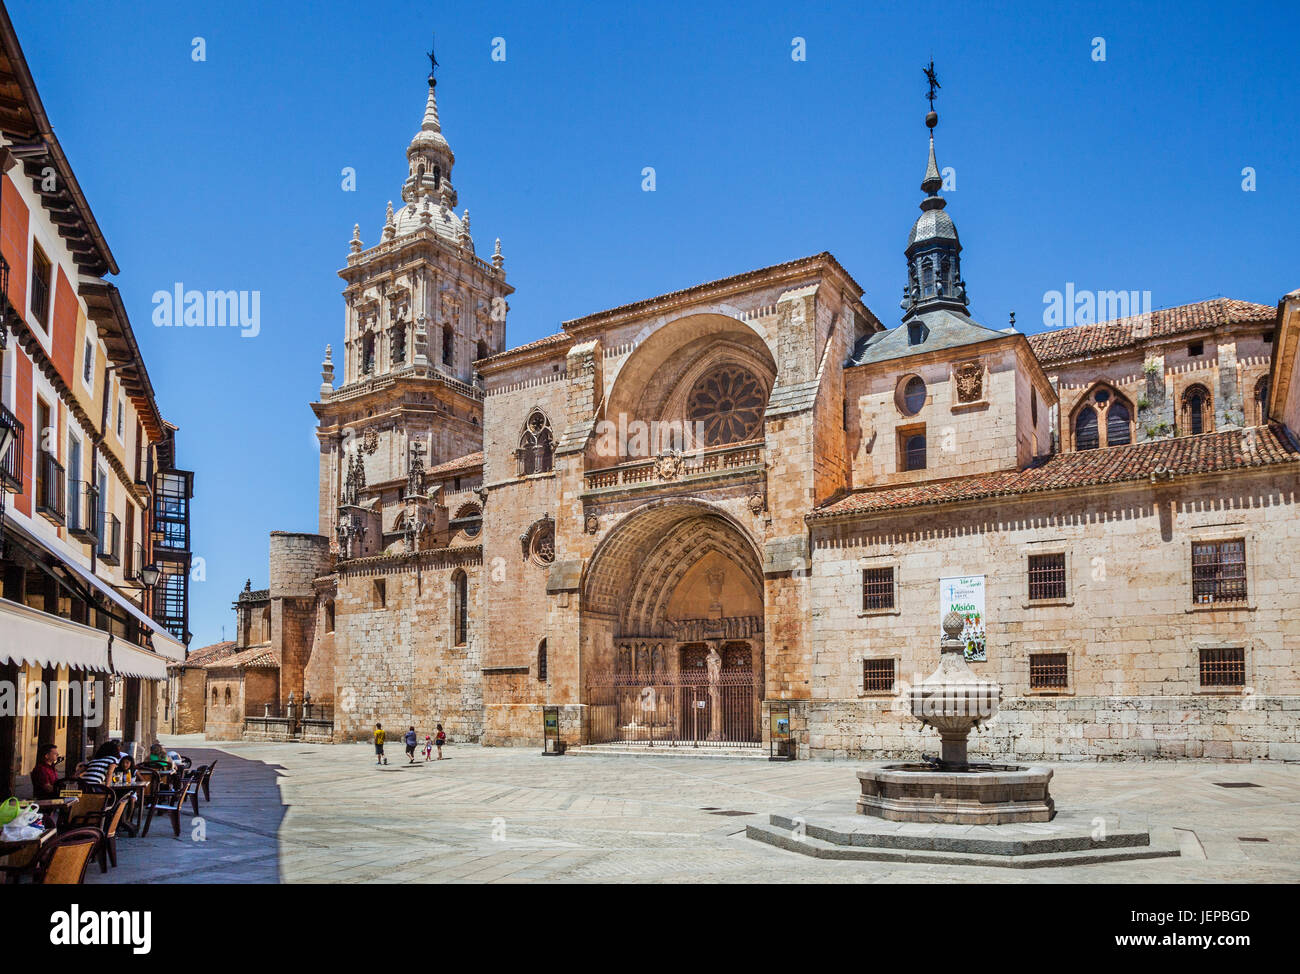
433 62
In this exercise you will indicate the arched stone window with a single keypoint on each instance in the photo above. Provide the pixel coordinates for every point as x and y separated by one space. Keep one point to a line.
480 350
1197 411
727 403
1119 425
1103 418
437 177
1261 401
459 608
536 452
368 355
541 661
329 616
469 518
214 696
227 696
448 345
398 344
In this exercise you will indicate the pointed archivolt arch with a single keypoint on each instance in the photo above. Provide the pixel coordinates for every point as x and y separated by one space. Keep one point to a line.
1102 417
637 564
656 380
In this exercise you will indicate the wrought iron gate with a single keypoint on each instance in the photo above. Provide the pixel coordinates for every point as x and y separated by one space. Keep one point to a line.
683 709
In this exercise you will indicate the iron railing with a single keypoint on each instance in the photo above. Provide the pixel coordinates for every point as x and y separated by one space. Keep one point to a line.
682 709
83 511
110 538
1219 571
51 498
11 466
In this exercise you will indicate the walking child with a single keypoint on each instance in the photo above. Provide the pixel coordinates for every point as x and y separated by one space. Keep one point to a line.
440 740
379 745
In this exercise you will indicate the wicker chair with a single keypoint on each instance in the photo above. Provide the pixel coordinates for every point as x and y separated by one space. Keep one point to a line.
108 848
93 807
170 802
64 859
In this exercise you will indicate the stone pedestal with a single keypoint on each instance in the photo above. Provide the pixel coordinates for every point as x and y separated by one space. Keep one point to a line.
987 794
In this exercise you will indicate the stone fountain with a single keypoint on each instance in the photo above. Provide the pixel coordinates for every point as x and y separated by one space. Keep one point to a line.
954 700
950 811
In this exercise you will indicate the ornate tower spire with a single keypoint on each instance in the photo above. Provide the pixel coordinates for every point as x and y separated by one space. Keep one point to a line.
933 250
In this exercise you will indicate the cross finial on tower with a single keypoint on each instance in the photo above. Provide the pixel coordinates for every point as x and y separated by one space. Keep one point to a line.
433 62
933 81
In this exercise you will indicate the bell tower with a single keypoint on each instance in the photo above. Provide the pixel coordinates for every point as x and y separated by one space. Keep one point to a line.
420 308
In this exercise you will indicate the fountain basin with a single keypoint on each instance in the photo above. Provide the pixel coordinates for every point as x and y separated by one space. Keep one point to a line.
968 794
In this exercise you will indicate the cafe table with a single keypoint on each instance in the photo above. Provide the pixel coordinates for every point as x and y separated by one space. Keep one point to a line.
123 790
59 808
17 858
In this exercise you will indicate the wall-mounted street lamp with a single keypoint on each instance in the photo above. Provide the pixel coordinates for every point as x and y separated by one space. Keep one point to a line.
149 574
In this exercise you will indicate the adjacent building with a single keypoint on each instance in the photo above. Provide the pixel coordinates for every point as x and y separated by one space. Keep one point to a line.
94 512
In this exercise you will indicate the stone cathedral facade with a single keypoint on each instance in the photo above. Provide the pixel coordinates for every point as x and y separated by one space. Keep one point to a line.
672 518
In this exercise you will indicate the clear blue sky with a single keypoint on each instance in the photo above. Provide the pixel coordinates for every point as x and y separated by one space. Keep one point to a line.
226 174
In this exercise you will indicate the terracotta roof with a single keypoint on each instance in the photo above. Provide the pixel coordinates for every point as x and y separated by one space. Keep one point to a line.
555 339
256 656
470 461
1107 336
1181 456
206 654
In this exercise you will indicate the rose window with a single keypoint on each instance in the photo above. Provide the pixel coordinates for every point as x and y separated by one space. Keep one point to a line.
542 545
728 403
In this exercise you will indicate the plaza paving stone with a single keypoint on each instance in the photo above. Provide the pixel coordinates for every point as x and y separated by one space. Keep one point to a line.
319 813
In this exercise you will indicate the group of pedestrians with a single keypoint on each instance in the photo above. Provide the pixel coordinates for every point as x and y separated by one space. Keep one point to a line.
412 740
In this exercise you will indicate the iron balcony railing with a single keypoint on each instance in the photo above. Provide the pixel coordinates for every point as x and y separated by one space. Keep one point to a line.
51 500
110 539
83 511
11 466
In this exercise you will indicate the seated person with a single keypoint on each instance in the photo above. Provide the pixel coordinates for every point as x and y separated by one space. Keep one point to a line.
126 766
45 775
104 763
158 758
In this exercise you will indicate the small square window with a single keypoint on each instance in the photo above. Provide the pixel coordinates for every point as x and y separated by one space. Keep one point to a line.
1049 671
1047 576
1223 667
877 588
1196 348
1219 571
878 675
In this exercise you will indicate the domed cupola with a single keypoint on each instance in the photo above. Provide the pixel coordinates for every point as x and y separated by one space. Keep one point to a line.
428 193
933 250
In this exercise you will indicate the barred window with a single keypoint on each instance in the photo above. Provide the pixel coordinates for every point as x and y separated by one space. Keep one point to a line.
878 675
1047 576
1049 671
1219 571
877 588
1223 667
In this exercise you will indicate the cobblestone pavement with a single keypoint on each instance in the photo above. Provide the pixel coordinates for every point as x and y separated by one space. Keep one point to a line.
326 813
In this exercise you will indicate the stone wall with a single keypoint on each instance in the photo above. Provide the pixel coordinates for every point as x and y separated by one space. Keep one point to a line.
397 661
1128 625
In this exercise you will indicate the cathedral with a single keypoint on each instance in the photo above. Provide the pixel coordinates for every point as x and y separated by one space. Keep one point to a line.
736 513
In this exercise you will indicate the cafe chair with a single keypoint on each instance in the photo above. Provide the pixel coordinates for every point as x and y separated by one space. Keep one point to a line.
108 848
64 859
171 802
93 807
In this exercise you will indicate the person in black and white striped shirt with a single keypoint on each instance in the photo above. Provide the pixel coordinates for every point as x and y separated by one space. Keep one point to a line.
103 764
